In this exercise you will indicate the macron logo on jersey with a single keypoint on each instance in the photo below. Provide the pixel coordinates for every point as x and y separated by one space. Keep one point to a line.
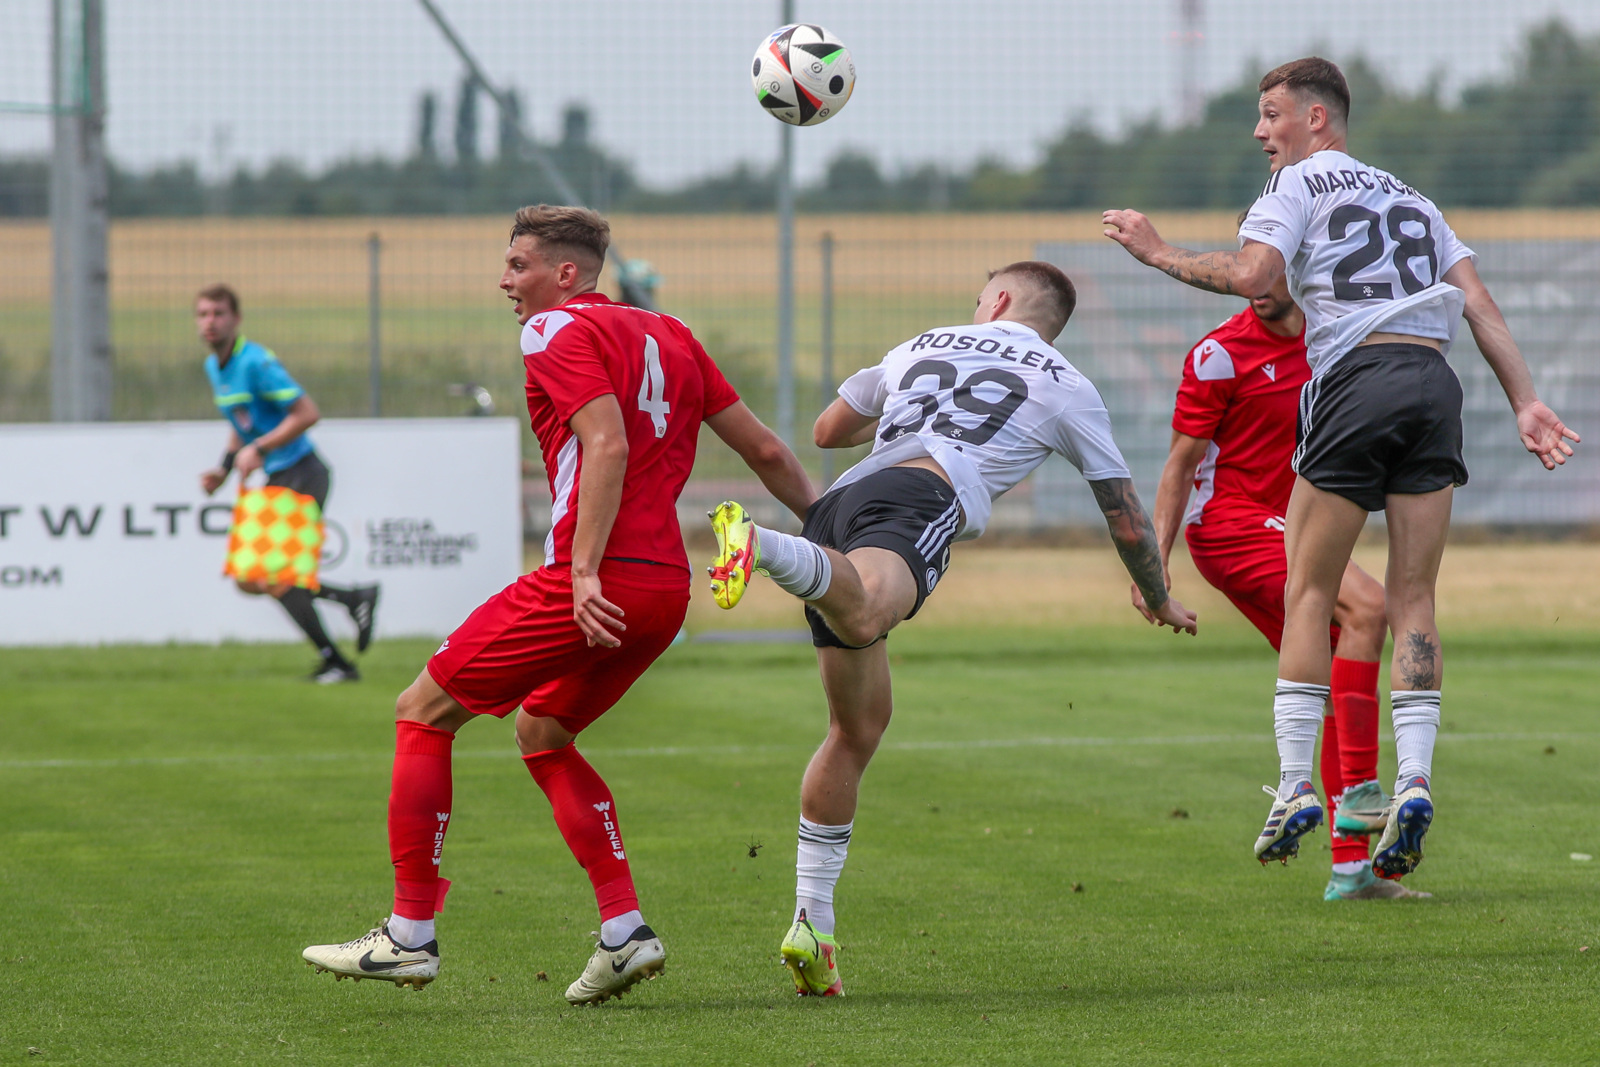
541 330
1212 363
1271 369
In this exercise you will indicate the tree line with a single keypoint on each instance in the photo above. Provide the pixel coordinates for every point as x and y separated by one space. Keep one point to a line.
1530 138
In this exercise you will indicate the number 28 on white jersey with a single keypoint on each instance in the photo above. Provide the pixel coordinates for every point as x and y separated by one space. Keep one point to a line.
1364 252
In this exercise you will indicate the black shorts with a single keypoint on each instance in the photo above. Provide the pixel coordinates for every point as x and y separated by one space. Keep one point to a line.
907 510
309 476
1385 419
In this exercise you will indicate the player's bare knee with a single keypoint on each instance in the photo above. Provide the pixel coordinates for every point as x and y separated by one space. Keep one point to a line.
859 629
1368 614
860 738
540 734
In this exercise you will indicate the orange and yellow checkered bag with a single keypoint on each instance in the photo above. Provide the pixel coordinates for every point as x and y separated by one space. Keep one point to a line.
276 538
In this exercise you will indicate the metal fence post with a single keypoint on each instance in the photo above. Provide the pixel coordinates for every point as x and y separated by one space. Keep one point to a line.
785 398
80 333
826 373
374 335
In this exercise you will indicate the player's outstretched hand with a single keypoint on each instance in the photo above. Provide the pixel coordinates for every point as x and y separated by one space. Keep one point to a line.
596 616
1134 232
1175 615
1545 435
211 480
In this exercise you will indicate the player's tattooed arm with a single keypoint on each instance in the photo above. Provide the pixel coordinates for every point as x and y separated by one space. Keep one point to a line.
1249 272
1135 537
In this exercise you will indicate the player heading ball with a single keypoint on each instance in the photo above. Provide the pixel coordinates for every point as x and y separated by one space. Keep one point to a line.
1383 281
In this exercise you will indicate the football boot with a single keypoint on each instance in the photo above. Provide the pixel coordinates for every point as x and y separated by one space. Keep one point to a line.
1400 848
613 971
1365 886
1287 822
738 552
377 955
1363 810
810 959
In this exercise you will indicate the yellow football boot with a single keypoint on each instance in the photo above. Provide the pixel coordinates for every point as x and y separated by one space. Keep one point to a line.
810 959
738 553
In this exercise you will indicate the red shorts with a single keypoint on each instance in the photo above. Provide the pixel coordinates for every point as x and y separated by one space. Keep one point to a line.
522 645
1242 555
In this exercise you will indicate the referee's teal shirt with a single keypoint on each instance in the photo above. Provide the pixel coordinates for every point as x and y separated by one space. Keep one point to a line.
254 393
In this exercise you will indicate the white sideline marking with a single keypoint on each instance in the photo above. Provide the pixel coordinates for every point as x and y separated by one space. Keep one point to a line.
737 750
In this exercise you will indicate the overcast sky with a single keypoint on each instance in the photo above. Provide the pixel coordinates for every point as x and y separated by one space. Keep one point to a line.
668 82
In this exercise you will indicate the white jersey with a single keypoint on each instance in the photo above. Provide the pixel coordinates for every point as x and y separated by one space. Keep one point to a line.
1364 252
988 403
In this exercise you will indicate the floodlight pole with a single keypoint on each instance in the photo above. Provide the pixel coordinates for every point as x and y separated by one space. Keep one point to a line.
785 398
80 326
634 295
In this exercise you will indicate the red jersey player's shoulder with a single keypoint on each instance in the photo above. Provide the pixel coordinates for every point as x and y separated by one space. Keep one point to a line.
1236 347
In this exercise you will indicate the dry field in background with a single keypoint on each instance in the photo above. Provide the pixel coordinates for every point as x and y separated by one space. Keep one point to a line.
324 261
1526 587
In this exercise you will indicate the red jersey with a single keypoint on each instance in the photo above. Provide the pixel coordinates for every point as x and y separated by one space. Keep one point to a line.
1241 390
665 384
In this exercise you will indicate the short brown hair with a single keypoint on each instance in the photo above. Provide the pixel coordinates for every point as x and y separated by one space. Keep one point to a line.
221 294
1059 294
565 231
1316 77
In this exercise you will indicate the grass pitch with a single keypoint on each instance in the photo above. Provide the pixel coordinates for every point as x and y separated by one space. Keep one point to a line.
1050 865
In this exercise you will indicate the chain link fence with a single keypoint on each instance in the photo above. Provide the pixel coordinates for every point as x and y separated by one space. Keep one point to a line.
340 168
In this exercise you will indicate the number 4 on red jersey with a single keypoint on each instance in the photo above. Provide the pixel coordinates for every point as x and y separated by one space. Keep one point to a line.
665 385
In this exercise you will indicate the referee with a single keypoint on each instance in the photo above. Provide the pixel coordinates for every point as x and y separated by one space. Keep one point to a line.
269 415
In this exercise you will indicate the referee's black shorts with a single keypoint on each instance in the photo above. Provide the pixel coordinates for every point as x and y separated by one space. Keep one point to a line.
908 510
1385 419
308 476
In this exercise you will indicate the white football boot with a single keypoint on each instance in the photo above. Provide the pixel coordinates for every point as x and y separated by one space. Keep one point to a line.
1287 822
1400 848
613 971
377 955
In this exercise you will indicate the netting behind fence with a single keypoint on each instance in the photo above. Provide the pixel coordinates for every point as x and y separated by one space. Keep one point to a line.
335 164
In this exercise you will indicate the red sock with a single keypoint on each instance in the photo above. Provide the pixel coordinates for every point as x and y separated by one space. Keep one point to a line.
587 818
1345 849
1355 706
419 812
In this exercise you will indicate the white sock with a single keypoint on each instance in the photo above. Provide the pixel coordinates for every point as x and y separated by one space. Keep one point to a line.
1353 867
614 931
795 564
817 866
1296 716
410 933
1416 726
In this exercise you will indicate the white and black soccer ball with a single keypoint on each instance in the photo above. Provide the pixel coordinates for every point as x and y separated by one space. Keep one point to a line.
803 74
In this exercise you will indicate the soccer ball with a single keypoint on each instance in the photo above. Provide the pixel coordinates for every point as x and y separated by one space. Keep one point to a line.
803 74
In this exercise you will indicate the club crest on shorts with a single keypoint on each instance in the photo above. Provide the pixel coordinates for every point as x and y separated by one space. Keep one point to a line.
933 578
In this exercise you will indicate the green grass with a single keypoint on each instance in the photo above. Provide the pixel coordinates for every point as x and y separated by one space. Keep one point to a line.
180 821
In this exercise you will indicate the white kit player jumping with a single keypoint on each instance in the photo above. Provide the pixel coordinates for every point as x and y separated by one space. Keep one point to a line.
957 416
1383 282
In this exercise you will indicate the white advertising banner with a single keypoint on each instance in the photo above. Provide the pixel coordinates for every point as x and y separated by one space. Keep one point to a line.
106 536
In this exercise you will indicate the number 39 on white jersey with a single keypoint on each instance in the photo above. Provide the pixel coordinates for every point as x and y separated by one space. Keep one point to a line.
1364 252
988 403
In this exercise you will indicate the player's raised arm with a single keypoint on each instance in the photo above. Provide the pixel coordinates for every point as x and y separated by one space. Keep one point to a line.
765 453
1542 433
1136 543
1249 272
